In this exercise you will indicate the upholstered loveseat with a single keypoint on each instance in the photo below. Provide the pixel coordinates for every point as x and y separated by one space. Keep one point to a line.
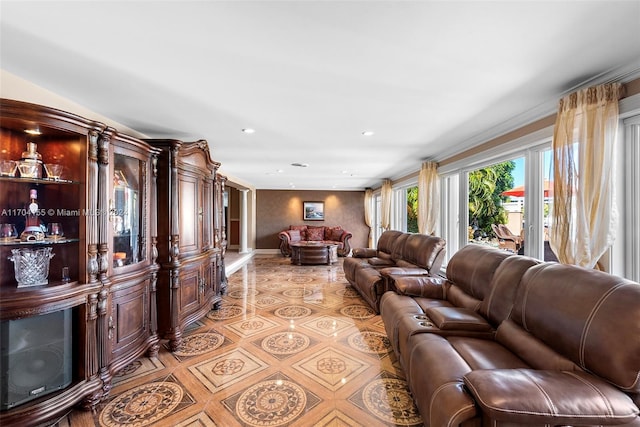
509 341
369 270
297 233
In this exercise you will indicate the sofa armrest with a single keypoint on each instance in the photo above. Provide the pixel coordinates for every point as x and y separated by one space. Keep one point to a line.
364 253
404 271
284 237
346 245
417 286
457 319
529 396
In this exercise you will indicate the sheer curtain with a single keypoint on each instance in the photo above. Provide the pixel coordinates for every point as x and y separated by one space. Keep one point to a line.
368 214
428 198
584 210
386 204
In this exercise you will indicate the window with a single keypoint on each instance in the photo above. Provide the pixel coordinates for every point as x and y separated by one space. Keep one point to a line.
472 198
405 208
377 218
496 205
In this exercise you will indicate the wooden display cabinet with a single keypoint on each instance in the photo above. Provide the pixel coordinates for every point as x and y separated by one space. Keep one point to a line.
71 201
102 309
127 252
190 258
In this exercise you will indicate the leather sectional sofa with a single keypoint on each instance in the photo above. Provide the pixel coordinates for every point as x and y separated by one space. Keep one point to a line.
369 270
509 341
297 233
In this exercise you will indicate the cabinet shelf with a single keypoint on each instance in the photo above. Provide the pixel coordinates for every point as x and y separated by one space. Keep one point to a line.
18 242
37 181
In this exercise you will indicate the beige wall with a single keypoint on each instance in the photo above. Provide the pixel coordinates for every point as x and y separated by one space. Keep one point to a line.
277 209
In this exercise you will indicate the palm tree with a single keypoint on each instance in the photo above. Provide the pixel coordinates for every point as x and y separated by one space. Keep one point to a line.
485 201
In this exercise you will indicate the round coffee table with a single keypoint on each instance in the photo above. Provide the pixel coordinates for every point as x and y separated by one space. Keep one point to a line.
310 252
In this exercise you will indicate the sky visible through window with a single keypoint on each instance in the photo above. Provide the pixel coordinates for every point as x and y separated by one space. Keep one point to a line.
518 171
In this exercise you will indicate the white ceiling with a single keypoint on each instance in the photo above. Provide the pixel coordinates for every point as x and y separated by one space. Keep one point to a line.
431 78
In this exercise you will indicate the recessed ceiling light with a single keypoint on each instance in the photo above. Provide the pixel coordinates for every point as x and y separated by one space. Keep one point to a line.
248 130
33 131
300 165
368 132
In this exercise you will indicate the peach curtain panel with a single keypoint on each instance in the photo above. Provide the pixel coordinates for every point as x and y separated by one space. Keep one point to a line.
386 204
584 210
368 214
428 198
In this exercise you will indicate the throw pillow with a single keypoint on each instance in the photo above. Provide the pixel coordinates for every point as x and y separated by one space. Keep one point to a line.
302 229
315 233
294 235
333 233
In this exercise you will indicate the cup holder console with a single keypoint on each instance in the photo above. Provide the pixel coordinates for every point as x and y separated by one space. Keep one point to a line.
423 321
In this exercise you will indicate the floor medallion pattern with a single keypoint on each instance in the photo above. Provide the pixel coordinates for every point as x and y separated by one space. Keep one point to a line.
195 344
288 346
226 312
142 405
227 369
293 312
285 344
276 401
370 342
358 311
389 400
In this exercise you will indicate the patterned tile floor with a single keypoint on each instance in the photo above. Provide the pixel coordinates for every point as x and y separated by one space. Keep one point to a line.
289 346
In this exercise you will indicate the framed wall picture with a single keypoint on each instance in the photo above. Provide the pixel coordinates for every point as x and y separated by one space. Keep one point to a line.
313 211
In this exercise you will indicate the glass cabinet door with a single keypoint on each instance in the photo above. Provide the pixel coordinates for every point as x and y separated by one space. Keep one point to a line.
126 211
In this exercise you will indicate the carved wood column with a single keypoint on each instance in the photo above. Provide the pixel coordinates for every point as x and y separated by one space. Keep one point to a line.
91 350
104 325
174 246
153 309
92 209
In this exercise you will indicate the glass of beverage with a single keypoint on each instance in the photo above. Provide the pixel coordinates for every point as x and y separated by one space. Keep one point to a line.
53 170
8 167
8 232
54 230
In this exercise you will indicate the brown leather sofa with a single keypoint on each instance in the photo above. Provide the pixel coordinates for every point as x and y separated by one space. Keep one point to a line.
321 233
508 341
476 296
369 270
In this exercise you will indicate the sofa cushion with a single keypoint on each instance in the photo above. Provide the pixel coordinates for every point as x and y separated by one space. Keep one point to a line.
315 233
406 264
506 280
294 235
527 396
386 240
459 298
333 233
536 353
472 269
424 251
398 246
578 312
